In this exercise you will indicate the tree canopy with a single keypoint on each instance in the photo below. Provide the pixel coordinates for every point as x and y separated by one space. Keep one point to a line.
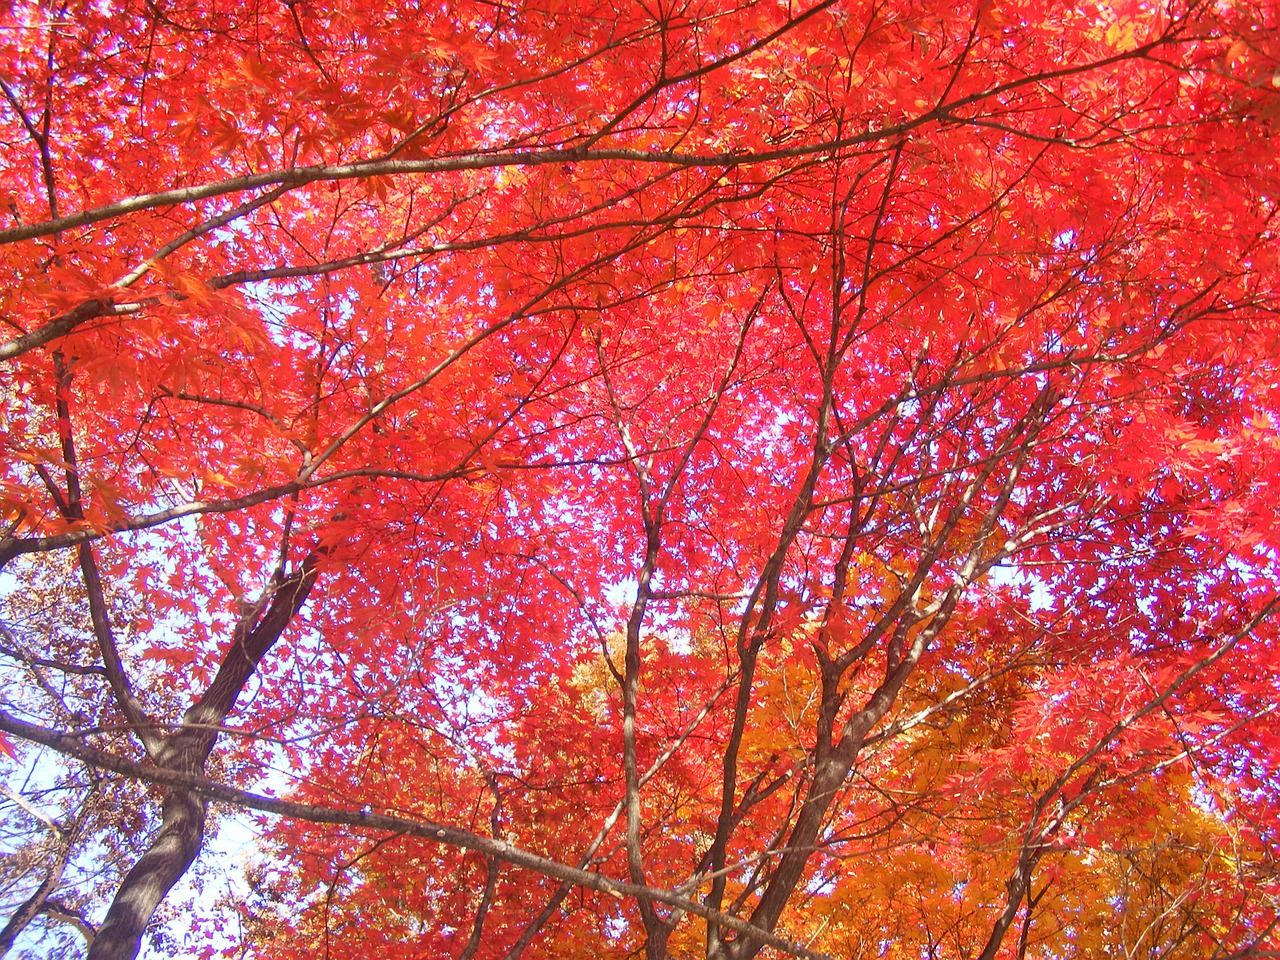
652 478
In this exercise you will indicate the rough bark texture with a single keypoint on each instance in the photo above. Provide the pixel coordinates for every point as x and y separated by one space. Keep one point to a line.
171 853
181 835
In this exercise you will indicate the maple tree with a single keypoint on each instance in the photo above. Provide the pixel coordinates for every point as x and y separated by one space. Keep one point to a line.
671 479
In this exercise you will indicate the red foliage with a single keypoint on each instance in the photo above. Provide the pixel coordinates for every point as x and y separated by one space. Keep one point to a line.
812 467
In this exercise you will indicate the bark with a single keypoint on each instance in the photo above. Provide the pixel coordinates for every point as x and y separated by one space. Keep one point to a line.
172 851
35 903
181 835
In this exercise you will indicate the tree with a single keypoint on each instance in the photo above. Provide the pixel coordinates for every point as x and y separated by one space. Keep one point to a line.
645 478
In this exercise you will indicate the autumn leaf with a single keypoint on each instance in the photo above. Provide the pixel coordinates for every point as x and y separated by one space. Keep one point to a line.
727 480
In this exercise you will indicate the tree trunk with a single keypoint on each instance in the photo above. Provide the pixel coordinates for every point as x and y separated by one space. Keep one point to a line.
177 844
174 849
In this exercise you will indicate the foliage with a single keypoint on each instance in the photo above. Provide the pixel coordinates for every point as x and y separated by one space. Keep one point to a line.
681 479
